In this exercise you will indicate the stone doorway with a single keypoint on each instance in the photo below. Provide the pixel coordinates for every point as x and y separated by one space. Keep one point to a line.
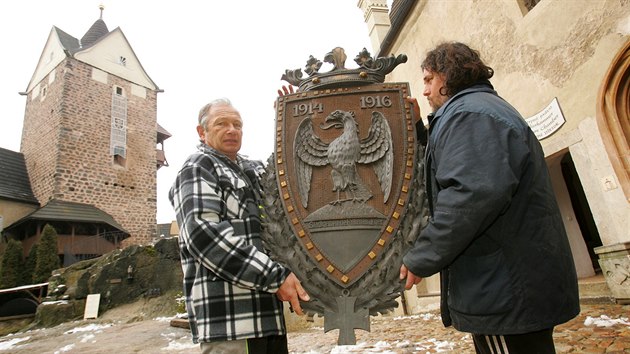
581 209
573 208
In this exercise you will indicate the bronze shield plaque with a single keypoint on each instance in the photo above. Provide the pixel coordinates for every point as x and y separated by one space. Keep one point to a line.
344 160
344 193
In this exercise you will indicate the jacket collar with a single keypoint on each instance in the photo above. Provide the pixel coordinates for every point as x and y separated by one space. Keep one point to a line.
203 148
481 86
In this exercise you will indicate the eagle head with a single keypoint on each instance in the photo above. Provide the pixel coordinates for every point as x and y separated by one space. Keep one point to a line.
337 119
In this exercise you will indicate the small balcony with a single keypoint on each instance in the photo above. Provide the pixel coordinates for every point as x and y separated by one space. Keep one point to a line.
162 135
161 158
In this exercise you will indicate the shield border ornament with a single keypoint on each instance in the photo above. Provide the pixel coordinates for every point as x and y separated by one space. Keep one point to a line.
291 199
371 285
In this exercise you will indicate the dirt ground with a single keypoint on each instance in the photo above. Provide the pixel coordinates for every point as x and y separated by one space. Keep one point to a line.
140 327
135 329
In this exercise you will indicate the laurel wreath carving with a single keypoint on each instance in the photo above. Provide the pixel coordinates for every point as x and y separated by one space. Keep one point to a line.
379 286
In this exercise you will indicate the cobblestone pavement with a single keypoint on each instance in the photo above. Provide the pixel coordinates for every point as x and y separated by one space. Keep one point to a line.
601 328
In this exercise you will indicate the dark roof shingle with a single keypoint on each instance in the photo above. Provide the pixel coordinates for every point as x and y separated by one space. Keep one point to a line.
14 182
68 42
162 134
98 30
399 12
58 210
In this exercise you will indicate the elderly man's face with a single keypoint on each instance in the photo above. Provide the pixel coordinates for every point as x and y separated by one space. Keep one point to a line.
223 130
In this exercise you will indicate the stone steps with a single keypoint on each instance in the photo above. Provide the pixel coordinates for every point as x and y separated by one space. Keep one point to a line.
594 290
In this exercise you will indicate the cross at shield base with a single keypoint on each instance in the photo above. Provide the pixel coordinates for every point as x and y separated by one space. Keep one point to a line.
346 319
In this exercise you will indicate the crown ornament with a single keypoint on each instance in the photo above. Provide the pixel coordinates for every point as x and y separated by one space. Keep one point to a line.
370 71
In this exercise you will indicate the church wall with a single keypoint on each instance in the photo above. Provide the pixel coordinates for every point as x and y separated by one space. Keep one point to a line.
561 49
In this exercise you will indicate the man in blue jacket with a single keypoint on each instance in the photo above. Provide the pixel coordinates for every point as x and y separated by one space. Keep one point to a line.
495 232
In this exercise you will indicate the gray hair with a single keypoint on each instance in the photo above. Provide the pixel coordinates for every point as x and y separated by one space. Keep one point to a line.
203 112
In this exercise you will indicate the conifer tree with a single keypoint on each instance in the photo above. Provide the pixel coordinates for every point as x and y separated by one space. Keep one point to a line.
47 258
12 265
29 265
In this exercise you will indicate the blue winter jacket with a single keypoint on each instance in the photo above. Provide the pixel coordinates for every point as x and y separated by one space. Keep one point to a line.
495 231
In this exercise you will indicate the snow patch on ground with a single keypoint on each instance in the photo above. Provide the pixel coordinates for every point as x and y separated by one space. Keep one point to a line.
67 348
89 328
181 343
87 337
9 344
163 319
605 321
423 316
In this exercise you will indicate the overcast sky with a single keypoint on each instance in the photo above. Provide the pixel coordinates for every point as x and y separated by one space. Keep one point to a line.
195 51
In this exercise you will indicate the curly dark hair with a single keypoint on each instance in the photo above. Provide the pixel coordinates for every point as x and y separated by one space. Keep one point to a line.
461 65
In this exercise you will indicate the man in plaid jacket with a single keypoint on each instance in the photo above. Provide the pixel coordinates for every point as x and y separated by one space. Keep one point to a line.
232 288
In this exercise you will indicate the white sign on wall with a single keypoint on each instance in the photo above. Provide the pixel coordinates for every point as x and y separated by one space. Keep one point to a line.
547 121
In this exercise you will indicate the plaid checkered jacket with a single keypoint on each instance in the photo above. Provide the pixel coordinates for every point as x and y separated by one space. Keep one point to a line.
229 281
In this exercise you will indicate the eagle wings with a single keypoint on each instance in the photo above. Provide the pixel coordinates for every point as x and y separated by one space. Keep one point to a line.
343 154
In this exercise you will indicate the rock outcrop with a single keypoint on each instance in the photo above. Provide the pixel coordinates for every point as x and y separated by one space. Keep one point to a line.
120 277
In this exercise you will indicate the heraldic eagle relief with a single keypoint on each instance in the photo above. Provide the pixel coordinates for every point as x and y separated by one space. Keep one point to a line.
344 192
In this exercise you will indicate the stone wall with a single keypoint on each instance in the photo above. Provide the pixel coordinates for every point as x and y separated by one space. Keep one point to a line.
40 134
66 144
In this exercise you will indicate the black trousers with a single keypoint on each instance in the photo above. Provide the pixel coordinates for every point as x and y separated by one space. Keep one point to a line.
540 342
268 345
264 345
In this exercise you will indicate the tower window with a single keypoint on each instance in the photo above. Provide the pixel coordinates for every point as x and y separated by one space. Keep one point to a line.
118 140
44 91
119 160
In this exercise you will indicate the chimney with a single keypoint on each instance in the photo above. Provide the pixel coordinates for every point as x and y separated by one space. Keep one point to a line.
375 13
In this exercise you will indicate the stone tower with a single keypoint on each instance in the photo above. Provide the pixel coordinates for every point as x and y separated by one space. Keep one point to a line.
90 128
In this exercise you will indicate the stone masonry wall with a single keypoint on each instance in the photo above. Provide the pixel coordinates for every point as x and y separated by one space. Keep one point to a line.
85 171
40 134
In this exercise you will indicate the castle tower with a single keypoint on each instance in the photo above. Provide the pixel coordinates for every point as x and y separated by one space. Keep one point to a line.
90 129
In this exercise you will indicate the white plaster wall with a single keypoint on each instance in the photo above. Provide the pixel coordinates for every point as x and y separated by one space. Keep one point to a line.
375 14
51 56
12 211
610 209
562 48
105 55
